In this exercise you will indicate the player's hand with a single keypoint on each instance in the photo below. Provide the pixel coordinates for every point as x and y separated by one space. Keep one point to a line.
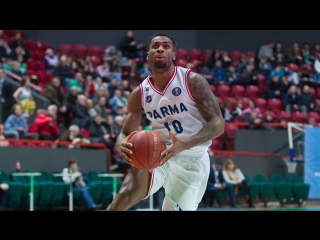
177 146
123 148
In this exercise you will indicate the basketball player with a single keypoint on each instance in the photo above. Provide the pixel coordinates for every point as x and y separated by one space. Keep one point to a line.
184 111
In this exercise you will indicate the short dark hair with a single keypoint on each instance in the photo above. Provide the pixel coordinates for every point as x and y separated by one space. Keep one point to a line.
165 35
218 161
72 161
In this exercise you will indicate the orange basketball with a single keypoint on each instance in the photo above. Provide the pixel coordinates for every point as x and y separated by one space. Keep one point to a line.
147 148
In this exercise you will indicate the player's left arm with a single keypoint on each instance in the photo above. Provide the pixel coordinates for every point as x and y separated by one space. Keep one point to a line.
208 107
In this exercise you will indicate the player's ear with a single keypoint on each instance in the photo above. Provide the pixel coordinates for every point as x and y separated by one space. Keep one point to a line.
174 56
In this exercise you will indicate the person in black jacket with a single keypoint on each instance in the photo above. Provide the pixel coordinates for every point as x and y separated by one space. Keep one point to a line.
307 102
217 183
6 95
292 100
63 71
4 194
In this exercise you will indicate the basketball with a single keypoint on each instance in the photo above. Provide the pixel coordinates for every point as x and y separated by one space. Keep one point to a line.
147 148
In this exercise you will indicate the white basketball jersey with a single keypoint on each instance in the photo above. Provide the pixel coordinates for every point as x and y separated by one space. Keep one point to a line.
173 109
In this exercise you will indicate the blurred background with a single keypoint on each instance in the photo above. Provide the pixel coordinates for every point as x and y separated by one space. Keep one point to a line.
59 88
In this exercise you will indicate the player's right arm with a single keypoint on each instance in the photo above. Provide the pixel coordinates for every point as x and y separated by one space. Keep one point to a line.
130 125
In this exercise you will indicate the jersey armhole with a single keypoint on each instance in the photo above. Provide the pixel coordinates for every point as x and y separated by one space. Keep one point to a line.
187 85
141 94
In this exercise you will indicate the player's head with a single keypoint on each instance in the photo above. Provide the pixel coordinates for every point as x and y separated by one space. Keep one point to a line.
161 50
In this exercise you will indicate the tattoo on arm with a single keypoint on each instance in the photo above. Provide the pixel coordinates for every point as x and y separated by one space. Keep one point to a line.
209 109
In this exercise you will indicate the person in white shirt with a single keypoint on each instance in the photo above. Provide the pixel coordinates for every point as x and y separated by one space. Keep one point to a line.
233 175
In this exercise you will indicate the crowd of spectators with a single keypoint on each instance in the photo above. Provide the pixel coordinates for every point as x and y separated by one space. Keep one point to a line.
93 96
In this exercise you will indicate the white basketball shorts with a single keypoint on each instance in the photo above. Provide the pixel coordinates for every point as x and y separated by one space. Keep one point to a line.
184 178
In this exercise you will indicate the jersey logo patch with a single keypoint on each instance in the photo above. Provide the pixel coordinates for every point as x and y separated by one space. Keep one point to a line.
176 91
148 99
146 89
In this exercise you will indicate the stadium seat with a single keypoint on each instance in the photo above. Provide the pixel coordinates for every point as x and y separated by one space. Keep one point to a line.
254 188
213 88
31 45
298 117
215 145
80 49
275 105
42 77
40 65
49 77
318 103
309 67
313 118
95 50
65 48
95 61
283 114
229 130
245 102
233 102
32 65
31 72
262 104
283 189
235 55
206 54
238 91
195 62
313 92
300 189
194 54
266 188
250 54
85 132
44 46
220 100
16 191
262 83
37 55
181 62
107 182
293 67
182 53
253 92
224 91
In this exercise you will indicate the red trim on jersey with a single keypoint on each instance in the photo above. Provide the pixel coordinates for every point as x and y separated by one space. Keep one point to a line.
187 85
150 183
170 81
141 94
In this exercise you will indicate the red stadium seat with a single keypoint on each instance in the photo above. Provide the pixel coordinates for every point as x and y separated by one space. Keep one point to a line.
262 83
32 64
318 92
182 53
262 104
309 67
293 67
49 77
220 100
85 132
95 61
65 48
235 55
245 102
37 55
181 62
298 117
313 118
31 72
42 77
253 92
41 66
80 49
250 54
95 50
238 91
224 91
215 145
283 115
31 45
313 92
233 102
44 46
230 129
195 54
213 88
275 105
206 54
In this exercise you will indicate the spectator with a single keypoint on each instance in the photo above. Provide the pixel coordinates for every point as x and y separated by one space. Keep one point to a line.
89 87
103 71
253 120
284 86
268 118
216 55
115 70
99 133
225 60
142 51
218 73
295 77
51 60
101 108
237 110
78 82
317 70
277 49
56 96
118 123
250 76
81 116
306 53
226 111
16 69
292 100
282 124
16 125
73 135
102 92
118 100
2 35
4 50
307 101
19 50
253 108
266 50
306 78
110 53
125 86
241 63
279 60
273 88
315 51
98 83
204 71
110 124
63 71
6 92
294 55
17 41
87 69
264 67
72 98
216 183
145 71
75 67
3 143
278 70
7 65
79 183
4 194
23 96
23 65
233 175
46 123
90 108
128 45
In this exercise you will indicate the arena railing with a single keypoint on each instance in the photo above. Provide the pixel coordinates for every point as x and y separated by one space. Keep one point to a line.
12 142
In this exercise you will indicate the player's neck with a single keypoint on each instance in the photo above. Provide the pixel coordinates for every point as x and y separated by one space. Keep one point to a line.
161 77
